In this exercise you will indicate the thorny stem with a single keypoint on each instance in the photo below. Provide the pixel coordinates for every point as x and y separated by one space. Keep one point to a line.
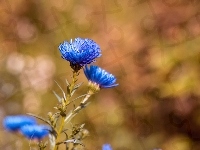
74 79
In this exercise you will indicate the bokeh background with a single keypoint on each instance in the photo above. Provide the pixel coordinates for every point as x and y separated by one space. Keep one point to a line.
152 47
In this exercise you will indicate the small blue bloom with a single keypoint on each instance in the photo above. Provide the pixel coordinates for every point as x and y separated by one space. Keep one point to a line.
106 147
14 123
100 77
35 131
80 52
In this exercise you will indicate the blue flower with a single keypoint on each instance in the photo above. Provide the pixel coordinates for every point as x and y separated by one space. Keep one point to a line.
14 123
100 77
80 52
35 131
106 147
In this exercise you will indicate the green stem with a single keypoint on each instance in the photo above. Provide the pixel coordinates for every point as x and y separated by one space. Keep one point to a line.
75 74
74 79
59 131
80 107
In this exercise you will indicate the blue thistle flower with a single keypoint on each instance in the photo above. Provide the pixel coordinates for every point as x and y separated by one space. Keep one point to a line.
35 131
106 147
80 52
14 123
99 78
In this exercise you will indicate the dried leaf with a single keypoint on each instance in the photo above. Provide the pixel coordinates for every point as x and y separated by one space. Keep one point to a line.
58 97
64 96
67 82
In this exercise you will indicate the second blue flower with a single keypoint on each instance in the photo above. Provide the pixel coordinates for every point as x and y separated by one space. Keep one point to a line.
99 77
14 123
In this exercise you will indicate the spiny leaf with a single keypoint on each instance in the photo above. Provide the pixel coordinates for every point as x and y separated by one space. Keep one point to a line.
58 97
75 141
61 90
79 97
78 85
73 92
82 125
67 82
38 117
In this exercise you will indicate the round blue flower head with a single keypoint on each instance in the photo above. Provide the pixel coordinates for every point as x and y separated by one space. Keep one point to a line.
79 52
35 131
14 123
99 78
106 147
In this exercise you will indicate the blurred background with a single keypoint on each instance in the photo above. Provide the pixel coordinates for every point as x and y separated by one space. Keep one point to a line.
152 47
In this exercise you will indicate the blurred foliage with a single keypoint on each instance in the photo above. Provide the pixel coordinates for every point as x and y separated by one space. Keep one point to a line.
151 46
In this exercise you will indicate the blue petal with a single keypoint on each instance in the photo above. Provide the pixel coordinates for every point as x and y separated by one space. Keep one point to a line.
110 86
80 51
99 76
106 147
14 123
35 131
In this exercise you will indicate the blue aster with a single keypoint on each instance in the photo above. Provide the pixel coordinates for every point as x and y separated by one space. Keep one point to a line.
14 123
35 131
80 52
106 147
100 77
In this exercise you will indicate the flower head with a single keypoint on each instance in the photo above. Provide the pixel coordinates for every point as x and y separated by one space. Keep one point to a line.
80 52
35 131
106 147
14 123
99 78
